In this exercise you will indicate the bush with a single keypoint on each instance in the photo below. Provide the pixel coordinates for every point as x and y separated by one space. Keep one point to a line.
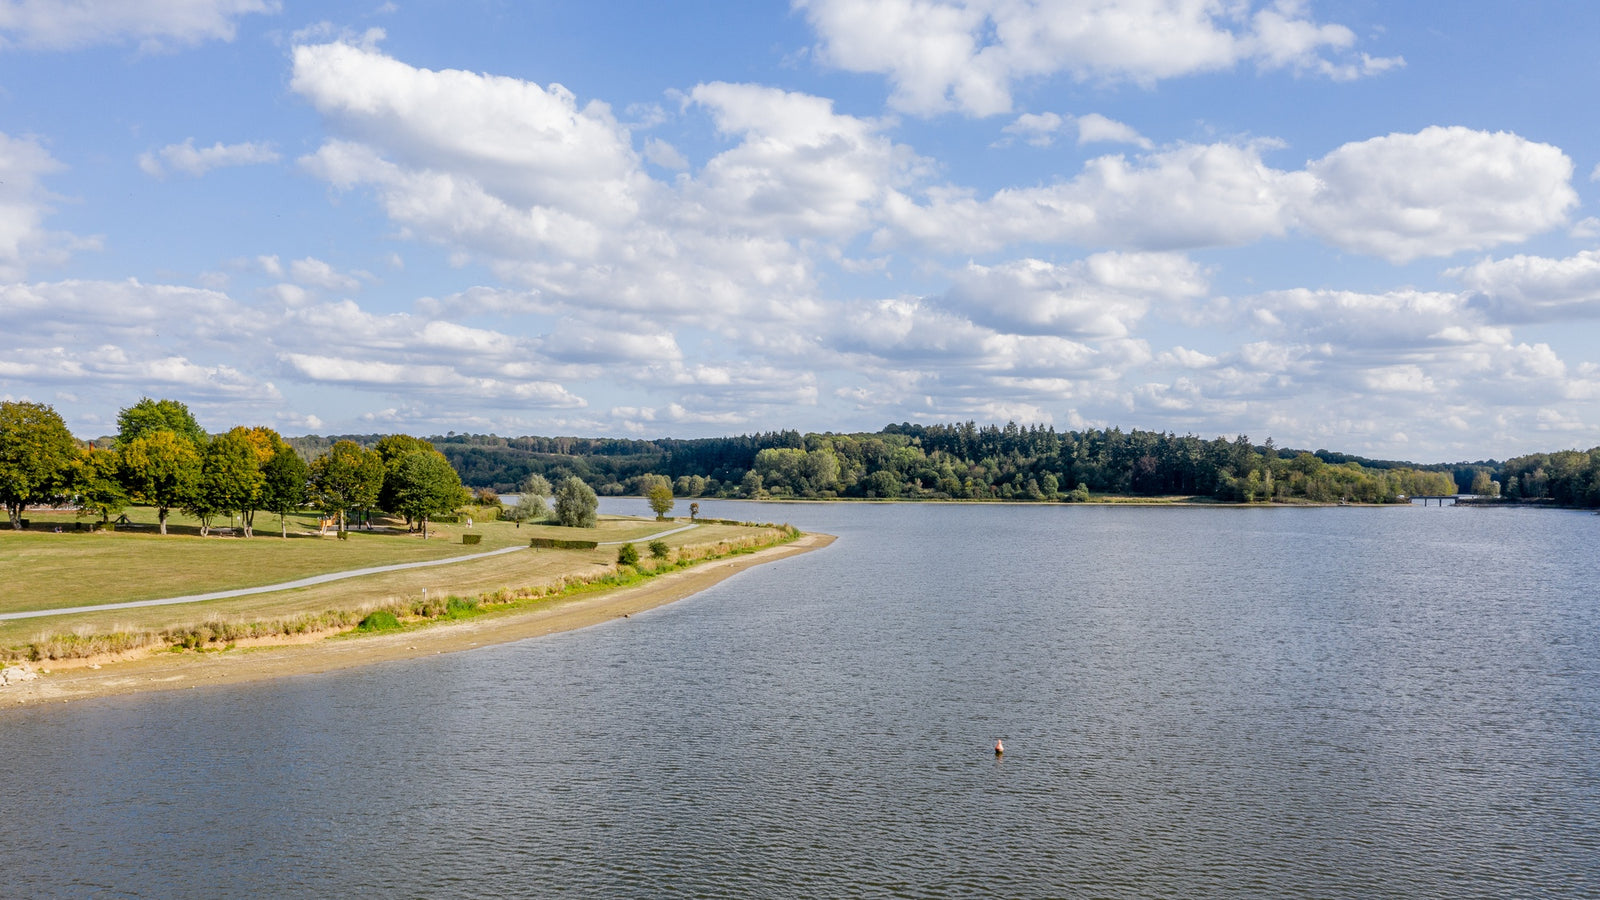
472 539
456 608
659 549
382 620
559 544
627 555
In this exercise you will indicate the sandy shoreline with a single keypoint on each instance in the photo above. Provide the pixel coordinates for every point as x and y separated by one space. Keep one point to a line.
165 671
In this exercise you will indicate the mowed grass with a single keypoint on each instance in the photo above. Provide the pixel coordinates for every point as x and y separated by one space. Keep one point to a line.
47 570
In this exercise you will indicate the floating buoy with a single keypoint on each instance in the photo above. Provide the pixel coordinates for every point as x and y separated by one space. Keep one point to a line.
999 748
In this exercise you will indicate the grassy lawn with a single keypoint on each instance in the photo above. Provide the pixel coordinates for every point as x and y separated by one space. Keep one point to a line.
44 569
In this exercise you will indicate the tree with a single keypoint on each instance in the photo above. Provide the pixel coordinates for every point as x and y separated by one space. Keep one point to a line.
576 504
95 485
283 485
659 549
37 454
425 485
347 477
148 416
265 443
530 505
161 469
661 499
392 448
230 479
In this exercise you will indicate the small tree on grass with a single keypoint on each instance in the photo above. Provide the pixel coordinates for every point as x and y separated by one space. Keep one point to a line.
530 505
576 504
659 549
283 487
660 497
627 555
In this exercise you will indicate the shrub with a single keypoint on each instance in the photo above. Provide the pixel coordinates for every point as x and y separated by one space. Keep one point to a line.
659 549
382 620
472 539
558 544
627 555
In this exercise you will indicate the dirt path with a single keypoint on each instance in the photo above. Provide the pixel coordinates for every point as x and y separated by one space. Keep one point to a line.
166 671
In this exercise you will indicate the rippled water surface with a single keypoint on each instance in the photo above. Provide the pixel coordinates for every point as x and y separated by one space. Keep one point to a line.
1195 702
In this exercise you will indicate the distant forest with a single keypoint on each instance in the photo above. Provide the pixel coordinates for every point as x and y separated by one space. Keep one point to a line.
1010 462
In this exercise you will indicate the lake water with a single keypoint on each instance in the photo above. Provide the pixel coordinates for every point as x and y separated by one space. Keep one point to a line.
1337 702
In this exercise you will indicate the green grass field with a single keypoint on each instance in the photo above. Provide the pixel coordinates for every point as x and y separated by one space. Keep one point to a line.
45 570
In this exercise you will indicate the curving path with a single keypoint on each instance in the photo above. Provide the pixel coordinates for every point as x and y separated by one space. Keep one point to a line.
298 583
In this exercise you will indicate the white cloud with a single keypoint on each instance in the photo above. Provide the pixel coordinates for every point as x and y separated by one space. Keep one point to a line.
314 272
154 24
186 158
966 55
1105 295
1535 288
1434 193
24 203
1095 129
801 168
665 155
1188 196
1437 192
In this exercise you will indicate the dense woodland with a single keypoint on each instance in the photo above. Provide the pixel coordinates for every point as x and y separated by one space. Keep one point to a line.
964 461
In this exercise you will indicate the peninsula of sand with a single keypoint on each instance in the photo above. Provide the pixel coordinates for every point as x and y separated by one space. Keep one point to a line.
164 633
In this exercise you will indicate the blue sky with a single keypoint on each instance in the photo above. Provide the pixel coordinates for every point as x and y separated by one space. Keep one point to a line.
1354 225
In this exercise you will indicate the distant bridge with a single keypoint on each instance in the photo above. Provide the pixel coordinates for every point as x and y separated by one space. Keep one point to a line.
1439 497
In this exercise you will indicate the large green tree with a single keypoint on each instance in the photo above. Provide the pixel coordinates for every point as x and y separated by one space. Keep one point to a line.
230 479
347 477
392 448
149 415
425 485
161 469
37 454
576 504
283 485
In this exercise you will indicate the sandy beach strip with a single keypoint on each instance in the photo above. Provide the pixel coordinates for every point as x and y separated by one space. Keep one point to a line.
167 671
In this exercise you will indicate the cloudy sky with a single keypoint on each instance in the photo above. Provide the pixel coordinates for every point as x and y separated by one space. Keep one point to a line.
1349 224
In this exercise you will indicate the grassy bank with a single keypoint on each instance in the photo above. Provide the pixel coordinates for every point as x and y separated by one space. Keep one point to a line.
191 565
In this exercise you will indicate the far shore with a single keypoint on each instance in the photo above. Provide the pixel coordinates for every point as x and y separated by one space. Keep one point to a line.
63 681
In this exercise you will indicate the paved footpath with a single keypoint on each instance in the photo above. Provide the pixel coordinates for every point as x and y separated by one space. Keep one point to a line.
299 583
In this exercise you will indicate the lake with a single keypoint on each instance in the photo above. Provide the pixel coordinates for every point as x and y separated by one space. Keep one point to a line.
1196 702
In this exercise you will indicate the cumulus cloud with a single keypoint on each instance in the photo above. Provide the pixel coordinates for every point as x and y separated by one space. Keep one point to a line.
1535 288
1105 295
1434 193
1437 192
188 159
966 55
1189 196
152 24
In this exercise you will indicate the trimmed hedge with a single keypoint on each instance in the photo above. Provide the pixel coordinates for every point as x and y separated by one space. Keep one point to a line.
472 539
557 544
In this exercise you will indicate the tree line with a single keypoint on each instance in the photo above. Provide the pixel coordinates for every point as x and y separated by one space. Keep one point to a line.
957 461
161 457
